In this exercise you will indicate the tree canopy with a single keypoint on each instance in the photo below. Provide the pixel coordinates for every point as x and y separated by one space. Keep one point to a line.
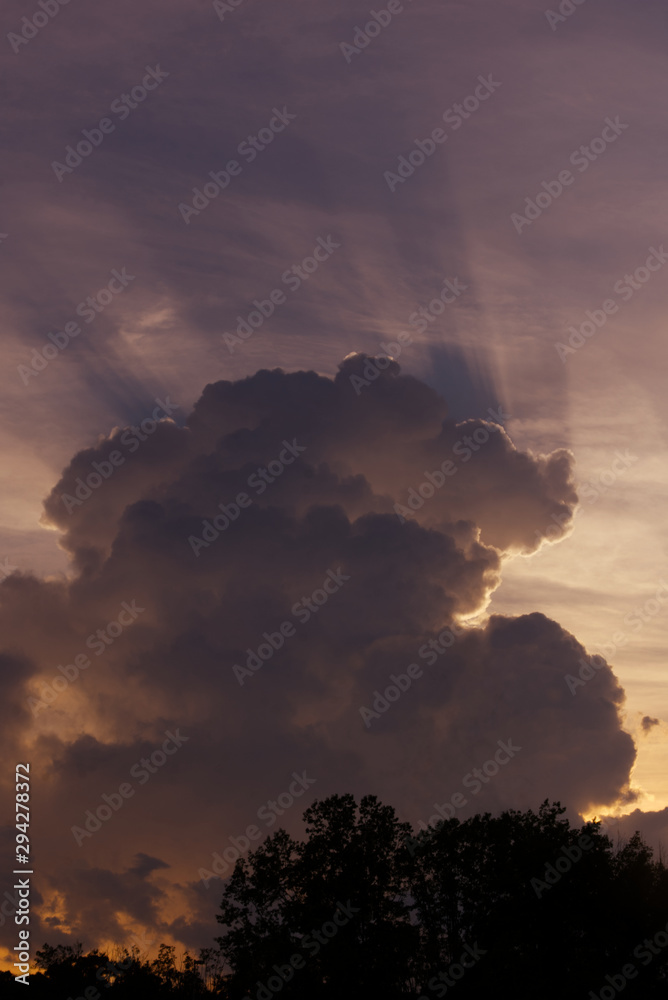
522 902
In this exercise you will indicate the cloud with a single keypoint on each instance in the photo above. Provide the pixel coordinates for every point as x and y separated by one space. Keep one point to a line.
256 647
652 824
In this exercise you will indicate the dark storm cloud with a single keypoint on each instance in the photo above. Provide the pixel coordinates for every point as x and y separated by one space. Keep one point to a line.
332 510
15 670
262 626
652 824
95 896
391 432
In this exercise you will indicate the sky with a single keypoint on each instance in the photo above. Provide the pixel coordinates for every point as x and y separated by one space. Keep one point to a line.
214 218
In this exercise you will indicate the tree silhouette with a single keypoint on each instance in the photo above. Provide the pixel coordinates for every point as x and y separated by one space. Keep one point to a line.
521 903
68 973
522 898
341 893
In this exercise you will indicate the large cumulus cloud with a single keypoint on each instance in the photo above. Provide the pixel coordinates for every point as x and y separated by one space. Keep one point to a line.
318 564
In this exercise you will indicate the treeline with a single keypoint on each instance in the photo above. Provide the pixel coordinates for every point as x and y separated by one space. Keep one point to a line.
522 903
66 973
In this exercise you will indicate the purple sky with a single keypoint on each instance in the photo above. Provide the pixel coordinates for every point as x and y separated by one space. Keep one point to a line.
510 245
